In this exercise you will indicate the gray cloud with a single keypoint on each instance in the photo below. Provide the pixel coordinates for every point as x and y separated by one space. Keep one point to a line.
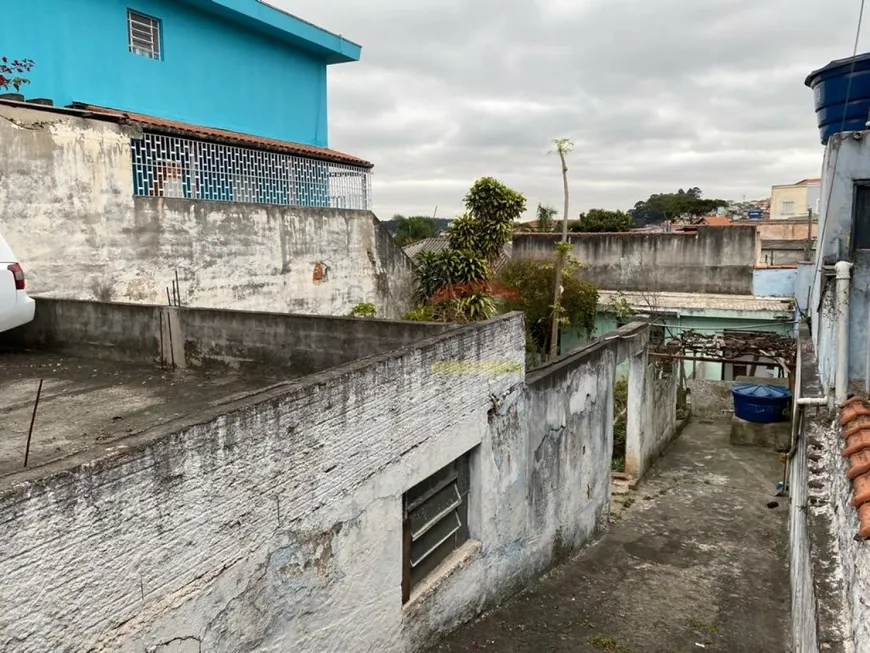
656 95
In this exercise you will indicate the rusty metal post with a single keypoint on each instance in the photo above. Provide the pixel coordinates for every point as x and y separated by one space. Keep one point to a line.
32 422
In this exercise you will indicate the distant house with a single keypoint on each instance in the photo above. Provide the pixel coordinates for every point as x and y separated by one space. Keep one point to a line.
239 65
716 221
793 200
173 143
231 94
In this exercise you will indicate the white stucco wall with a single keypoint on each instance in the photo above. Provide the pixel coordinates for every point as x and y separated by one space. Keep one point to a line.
278 526
67 210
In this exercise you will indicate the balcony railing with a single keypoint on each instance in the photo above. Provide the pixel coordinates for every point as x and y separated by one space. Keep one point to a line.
168 166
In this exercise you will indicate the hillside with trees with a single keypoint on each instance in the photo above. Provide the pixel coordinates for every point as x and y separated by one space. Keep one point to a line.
671 206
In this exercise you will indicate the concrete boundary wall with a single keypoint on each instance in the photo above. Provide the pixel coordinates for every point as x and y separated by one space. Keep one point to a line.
69 214
713 260
120 332
817 486
276 521
211 339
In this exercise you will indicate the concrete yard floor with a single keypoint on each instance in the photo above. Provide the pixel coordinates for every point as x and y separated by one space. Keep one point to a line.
697 562
87 402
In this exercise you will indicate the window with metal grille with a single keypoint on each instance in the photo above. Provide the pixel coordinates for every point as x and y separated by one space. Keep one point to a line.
144 33
435 522
168 166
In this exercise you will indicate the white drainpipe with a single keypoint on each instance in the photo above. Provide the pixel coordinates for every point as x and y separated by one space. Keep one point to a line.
844 270
812 401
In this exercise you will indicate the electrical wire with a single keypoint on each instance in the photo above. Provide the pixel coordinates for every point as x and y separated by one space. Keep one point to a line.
821 238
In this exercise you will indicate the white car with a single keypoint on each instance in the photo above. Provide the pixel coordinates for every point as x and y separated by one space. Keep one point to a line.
16 307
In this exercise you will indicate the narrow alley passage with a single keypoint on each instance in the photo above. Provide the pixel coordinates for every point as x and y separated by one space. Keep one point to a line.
696 562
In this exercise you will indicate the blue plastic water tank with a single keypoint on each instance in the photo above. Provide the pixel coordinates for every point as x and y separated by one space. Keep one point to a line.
760 403
830 86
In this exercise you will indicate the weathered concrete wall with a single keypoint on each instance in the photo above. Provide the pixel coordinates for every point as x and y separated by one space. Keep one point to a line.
67 210
122 332
652 414
714 260
664 410
293 344
820 619
710 399
847 161
786 229
803 286
774 281
276 523
265 258
301 343
784 252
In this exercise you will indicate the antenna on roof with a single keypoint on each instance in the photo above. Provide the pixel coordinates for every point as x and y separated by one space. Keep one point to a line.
434 213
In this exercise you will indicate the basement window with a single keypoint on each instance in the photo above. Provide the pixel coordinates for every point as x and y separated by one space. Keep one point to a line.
144 34
435 522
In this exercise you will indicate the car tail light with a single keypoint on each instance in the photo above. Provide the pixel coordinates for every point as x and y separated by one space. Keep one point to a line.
18 273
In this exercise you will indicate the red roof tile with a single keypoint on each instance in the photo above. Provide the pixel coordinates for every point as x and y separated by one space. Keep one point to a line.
856 425
855 420
864 521
198 131
862 491
717 221
851 412
860 464
852 401
857 442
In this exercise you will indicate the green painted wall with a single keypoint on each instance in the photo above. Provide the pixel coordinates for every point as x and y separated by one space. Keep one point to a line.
716 322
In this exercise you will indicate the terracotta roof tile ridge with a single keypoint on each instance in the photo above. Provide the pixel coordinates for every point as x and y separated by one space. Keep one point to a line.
203 131
856 442
855 422
852 412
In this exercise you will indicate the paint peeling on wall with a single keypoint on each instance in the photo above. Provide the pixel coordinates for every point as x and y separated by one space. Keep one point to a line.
67 210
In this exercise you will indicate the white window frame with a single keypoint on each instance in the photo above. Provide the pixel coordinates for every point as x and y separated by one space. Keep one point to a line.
146 40
787 207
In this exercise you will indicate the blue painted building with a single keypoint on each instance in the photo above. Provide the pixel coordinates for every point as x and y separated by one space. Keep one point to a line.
238 65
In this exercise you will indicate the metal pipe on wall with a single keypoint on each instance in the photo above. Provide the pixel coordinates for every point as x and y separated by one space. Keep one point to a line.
844 275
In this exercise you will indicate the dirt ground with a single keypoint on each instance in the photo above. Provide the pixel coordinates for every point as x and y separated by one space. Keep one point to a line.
697 561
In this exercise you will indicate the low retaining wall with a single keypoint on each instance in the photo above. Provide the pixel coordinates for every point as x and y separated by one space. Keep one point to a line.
197 337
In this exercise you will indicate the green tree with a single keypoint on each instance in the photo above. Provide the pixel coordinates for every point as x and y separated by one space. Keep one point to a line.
535 282
410 230
545 216
669 206
602 220
452 284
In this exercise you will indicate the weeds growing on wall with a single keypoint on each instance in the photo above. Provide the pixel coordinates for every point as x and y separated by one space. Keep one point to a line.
364 309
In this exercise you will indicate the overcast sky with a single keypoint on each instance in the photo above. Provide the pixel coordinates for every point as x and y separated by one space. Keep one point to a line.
656 94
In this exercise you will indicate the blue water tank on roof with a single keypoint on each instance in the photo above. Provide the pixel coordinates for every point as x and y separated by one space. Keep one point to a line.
830 87
760 403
